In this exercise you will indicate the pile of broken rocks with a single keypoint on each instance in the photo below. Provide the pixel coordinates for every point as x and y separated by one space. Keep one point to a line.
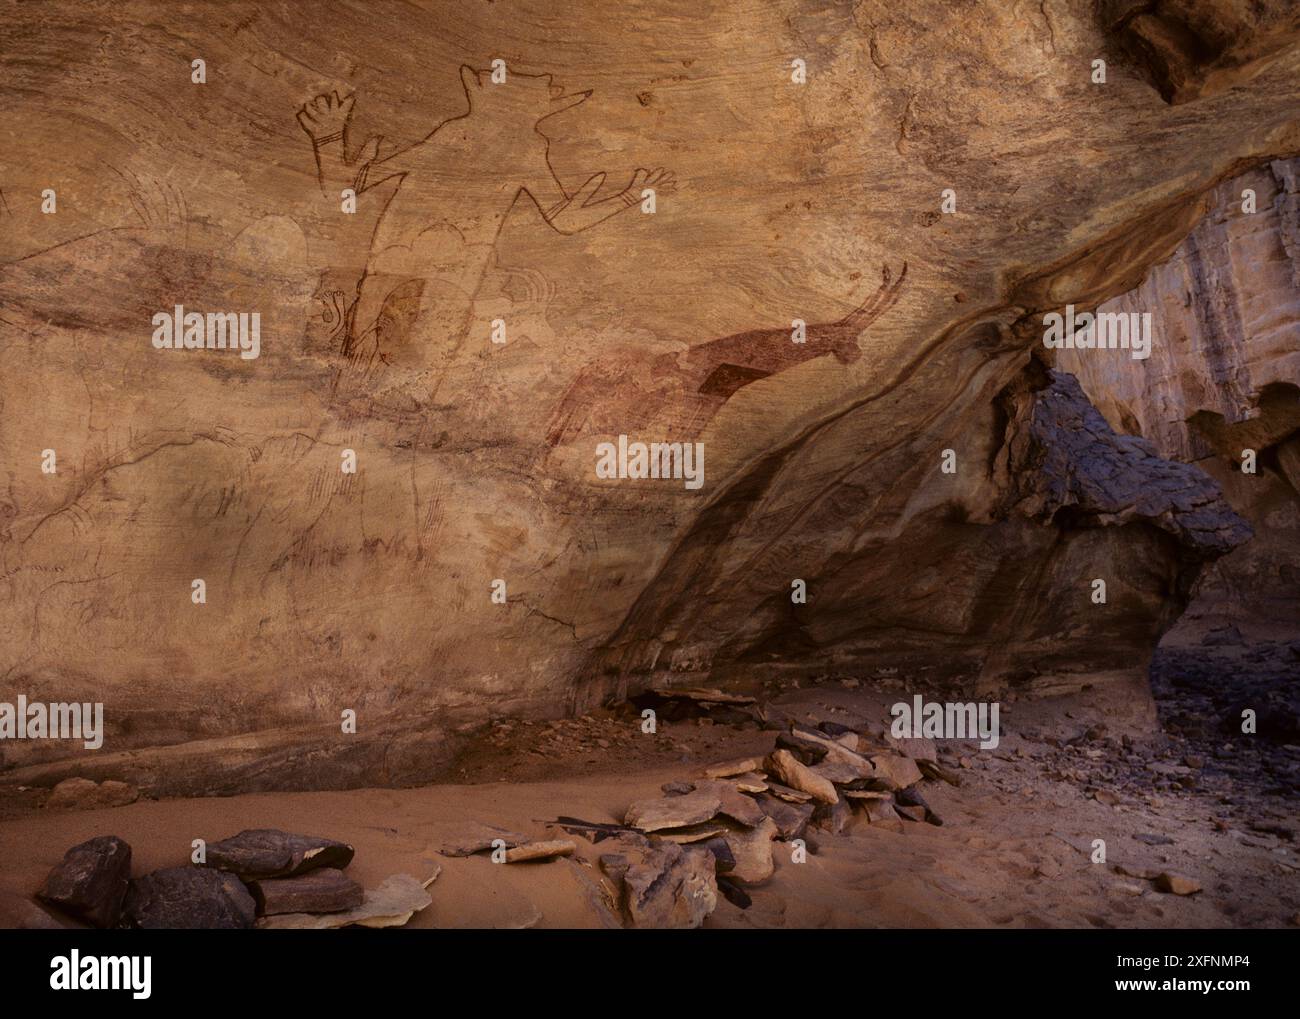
262 877
672 856
664 866
829 778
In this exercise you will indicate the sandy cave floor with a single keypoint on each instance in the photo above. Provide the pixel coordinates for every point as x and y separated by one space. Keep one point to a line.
1014 850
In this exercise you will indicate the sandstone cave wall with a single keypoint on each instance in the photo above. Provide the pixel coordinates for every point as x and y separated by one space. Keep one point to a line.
329 591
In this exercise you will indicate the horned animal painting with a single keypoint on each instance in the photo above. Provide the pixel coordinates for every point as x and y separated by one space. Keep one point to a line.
451 193
686 390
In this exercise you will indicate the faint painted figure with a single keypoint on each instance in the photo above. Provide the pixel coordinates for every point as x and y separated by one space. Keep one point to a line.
453 190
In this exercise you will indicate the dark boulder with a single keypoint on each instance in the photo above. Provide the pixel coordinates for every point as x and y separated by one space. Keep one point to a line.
268 852
91 881
192 898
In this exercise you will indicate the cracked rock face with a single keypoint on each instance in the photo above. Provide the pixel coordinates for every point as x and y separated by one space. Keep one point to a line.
477 461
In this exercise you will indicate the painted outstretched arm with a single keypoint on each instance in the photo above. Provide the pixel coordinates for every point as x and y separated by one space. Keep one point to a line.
325 119
569 214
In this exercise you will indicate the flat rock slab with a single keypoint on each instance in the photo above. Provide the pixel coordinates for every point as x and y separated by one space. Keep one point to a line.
674 811
784 792
392 904
729 769
732 802
692 833
91 881
837 772
836 753
268 852
474 837
324 890
189 898
751 782
541 851
784 765
895 771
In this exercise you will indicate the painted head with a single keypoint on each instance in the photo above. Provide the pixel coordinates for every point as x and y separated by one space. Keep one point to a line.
844 345
517 97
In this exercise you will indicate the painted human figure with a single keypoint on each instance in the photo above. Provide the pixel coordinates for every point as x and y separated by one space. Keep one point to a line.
454 188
